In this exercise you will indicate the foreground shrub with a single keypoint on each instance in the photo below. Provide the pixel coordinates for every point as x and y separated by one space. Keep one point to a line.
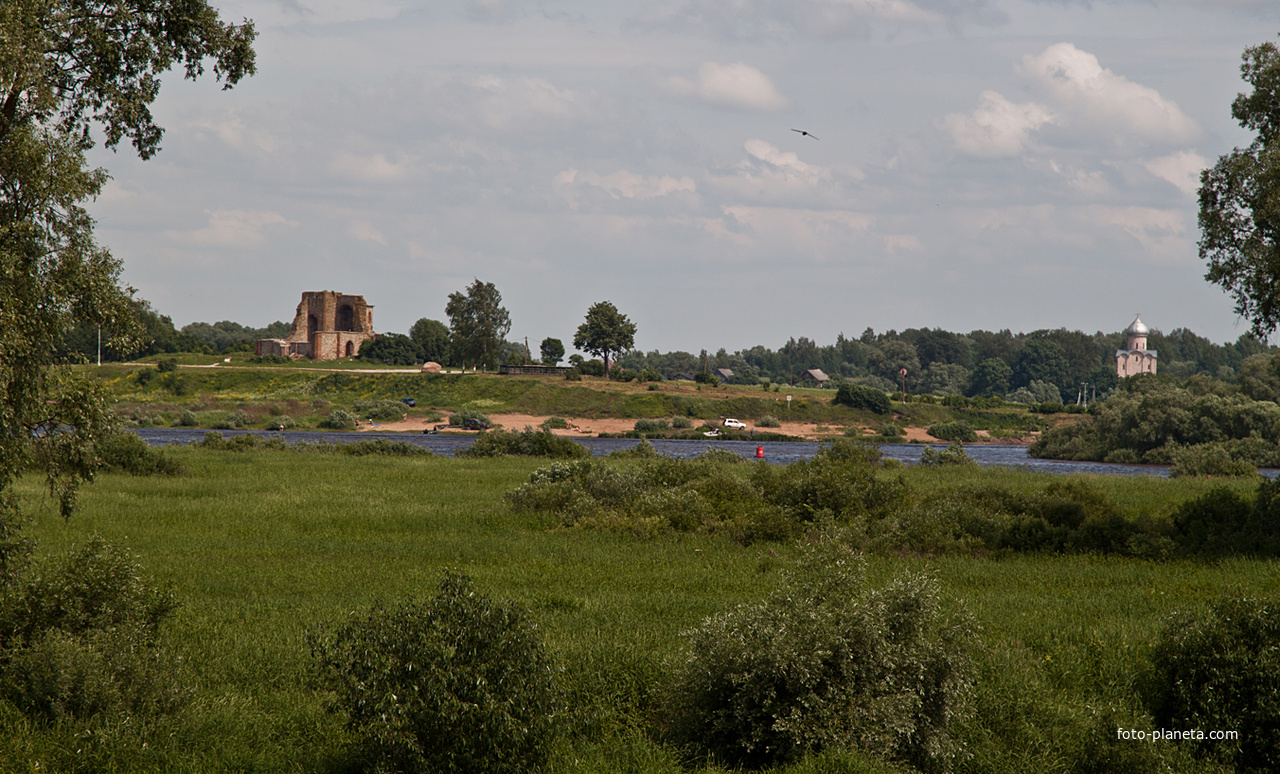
458 683
1220 671
826 664
125 452
1222 523
861 397
1210 459
80 638
526 443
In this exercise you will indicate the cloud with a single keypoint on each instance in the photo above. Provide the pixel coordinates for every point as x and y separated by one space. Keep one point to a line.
815 18
368 169
1090 94
1182 169
627 185
509 103
997 127
233 228
365 232
736 85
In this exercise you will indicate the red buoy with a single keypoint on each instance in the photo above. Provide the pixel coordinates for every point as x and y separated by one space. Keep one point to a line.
759 452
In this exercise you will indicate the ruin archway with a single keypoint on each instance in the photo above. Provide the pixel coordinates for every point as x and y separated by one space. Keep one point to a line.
346 318
350 349
312 326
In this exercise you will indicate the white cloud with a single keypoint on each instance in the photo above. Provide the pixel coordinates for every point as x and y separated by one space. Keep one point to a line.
368 169
509 103
997 127
1093 95
233 228
1182 169
736 85
365 232
627 185
897 242
816 233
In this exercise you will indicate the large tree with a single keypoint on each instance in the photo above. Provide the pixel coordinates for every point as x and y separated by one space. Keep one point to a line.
432 336
67 66
478 324
605 331
1240 200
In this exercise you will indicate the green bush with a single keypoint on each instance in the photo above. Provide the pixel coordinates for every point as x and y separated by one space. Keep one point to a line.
1222 523
681 422
234 420
591 368
188 418
768 420
554 423
283 422
125 452
528 443
703 377
167 364
380 410
860 397
826 663
1208 459
651 425
573 375
458 683
338 420
958 430
1220 671
80 637
954 454
457 418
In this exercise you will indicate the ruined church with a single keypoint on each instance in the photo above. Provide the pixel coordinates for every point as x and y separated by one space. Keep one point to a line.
327 326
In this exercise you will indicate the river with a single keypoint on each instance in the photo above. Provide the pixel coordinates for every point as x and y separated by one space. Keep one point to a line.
781 453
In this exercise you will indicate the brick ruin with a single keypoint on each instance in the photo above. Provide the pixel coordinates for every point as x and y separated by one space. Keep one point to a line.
327 326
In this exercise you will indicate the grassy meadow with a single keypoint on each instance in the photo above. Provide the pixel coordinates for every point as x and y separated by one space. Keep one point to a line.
261 545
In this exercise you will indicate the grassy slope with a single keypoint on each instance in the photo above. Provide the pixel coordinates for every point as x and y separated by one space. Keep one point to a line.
261 545
306 394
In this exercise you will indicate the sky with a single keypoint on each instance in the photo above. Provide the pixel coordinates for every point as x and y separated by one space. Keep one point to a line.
972 164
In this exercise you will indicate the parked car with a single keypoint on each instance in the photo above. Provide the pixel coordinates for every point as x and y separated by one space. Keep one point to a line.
735 424
410 402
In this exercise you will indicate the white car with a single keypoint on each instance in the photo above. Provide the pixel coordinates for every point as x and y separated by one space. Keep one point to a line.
735 424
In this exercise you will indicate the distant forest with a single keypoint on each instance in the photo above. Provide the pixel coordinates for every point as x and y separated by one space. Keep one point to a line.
1040 366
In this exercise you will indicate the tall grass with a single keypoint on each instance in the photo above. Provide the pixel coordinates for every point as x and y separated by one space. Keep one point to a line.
260 544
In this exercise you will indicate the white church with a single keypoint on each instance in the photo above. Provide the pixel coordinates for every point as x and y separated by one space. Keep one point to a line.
1137 359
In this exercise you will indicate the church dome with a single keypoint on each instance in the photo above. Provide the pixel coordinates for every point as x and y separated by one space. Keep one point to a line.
1137 328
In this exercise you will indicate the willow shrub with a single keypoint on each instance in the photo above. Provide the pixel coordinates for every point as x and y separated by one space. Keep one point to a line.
526 443
458 683
1220 671
826 663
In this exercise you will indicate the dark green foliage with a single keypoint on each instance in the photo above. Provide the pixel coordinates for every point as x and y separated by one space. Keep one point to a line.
825 663
954 454
859 397
704 377
391 349
338 420
958 430
80 637
1222 523
226 335
526 443
573 375
840 481
432 338
478 325
125 452
1151 420
458 684
591 368
1220 671
652 425
605 332
380 410
166 364
361 448
1208 459
768 420
551 350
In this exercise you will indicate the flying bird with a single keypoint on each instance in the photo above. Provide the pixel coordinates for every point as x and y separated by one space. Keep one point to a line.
803 132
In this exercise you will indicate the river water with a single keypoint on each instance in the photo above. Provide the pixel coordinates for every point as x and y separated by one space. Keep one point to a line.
781 453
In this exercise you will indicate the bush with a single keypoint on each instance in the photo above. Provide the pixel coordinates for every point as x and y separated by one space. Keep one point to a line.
768 420
554 423
80 638
825 663
651 425
859 397
1209 459
167 364
703 377
958 430
188 418
283 422
380 410
1220 670
954 454
338 420
459 417
573 375
681 422
234 420
591 368
125 452
1222 523
458 683
529 443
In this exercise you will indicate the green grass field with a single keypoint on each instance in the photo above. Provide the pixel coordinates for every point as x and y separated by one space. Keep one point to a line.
260 545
